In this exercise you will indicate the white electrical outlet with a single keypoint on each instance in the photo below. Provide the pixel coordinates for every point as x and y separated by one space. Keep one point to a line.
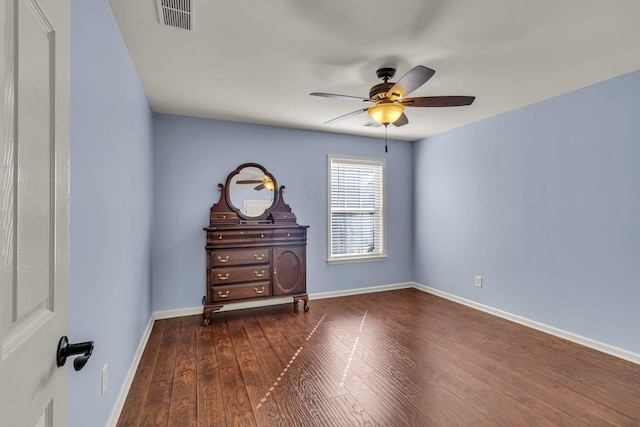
478 281
105 378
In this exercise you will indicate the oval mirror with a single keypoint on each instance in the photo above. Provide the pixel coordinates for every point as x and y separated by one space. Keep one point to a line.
251 190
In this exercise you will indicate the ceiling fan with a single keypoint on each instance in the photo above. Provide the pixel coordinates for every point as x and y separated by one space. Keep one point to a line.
266 182
389 98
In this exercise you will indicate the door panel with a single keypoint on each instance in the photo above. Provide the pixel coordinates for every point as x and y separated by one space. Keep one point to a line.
289 270
34 160
34 200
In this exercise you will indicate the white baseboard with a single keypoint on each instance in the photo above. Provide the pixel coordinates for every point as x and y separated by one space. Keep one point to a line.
569 336
128 379
190 311
179 312
356 291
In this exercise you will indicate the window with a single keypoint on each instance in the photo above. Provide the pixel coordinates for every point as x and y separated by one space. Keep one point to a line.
356 209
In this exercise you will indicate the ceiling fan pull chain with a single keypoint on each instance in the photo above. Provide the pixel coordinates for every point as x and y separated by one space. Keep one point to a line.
386 128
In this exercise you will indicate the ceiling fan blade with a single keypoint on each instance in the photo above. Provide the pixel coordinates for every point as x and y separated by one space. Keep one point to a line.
259 187
333 95
411 81
249 181
345 116
403 120
438 101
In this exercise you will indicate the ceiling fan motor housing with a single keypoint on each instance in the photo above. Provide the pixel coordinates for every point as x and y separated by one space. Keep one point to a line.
379 91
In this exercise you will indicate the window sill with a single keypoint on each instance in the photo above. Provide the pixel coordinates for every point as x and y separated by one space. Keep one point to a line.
350 260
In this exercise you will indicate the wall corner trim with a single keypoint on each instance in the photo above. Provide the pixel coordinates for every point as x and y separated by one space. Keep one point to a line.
569 336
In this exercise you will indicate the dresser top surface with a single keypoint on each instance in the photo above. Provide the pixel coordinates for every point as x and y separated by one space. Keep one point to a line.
245 227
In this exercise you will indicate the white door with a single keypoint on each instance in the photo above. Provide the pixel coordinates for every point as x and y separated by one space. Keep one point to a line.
256 207
34 210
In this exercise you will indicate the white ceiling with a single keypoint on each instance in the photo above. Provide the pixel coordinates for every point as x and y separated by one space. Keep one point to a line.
257 61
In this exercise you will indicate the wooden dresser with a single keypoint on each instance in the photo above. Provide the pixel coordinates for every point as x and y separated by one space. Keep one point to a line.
253 257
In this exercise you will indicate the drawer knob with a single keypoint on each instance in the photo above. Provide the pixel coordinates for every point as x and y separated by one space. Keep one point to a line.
219 236
259 291
221 295
288 235
261 234
259 257
259 274
221 277
223 260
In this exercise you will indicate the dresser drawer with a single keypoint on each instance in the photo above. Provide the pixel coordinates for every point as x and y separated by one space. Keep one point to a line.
290 234
251 273
223 258
224 217
235 236
241 291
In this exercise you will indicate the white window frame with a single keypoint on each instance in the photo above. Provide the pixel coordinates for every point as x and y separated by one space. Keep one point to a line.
380 255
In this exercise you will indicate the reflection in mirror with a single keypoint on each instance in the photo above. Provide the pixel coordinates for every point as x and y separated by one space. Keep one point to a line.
251 191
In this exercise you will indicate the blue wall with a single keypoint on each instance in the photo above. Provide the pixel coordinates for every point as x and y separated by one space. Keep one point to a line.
191 156
544 203
111 190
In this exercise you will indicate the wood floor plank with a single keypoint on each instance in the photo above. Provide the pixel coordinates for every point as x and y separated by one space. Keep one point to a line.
210 406
237 406
155 411
183 409
467 370
352 412
392 359
441 359
316 352
386 404
406 377
257 384
284 392
303 378
567 399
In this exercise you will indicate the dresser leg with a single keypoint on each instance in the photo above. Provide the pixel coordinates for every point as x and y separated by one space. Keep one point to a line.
304 298
207 312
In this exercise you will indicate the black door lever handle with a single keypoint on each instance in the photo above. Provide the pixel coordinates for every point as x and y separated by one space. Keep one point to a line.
65 350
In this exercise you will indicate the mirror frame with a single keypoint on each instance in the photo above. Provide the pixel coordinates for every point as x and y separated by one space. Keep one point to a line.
237 210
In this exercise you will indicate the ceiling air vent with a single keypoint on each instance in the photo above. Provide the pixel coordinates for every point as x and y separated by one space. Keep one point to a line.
371 125
176 13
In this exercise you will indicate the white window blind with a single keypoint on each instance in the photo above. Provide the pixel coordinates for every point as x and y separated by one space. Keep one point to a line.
356 209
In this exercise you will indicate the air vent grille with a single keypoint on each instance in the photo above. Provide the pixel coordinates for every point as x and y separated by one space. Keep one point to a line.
371 125
176 13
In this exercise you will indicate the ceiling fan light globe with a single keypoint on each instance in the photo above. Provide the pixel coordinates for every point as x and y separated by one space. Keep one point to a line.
386 113
268 183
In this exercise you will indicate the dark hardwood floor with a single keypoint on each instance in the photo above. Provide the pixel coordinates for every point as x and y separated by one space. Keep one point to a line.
398 358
